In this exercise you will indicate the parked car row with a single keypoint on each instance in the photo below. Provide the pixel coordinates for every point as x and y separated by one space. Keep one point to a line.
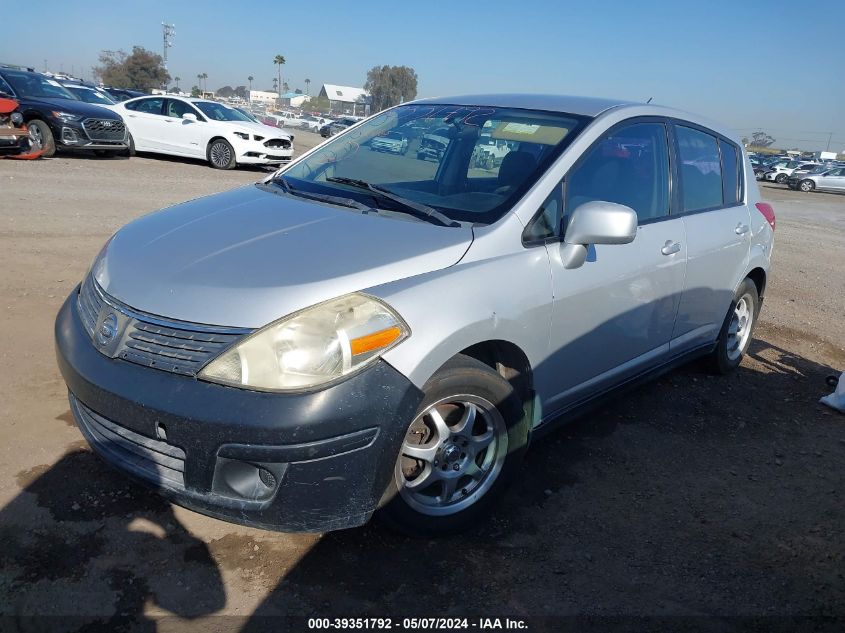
72 116
801 175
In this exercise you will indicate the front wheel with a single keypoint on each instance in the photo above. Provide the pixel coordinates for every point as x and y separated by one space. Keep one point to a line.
781 178
459 452
42 137
735 336
221 155
807 186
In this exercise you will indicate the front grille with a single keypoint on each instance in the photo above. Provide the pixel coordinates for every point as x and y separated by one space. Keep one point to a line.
104 129
178 350
277 143
88 303
155 460
174 346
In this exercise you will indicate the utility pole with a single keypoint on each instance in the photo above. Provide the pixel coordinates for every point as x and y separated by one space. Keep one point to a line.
829 137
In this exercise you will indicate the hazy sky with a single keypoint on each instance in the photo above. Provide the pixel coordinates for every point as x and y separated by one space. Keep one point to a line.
752 64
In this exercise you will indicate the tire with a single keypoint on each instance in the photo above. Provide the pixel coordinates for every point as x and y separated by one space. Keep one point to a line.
737 330
475 470
781 178
129 152
42 136
806 186
221 155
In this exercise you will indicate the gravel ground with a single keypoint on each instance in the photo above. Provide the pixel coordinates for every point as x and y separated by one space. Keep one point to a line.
694 496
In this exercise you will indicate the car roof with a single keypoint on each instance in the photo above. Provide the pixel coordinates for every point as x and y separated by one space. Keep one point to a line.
586 106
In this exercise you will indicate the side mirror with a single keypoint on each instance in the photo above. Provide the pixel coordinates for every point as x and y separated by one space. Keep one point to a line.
189 116
596 222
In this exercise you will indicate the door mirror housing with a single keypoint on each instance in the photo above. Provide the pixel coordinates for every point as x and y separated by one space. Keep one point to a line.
596 222
189 116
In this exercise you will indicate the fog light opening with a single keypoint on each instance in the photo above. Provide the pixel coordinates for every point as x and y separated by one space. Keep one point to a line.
267 478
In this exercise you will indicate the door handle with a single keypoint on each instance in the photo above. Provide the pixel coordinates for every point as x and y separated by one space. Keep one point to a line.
741 229
670 247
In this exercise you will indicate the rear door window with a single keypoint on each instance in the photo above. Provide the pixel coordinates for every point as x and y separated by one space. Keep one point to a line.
148 106
730 173
701 172
630 167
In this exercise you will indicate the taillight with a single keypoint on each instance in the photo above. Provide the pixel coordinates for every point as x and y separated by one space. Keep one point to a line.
766 209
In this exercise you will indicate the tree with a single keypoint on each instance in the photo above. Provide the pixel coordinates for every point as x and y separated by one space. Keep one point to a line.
761 139
275 85
280 61
205 79
307 86
318 104
390 85
249 79
241 92
225 92
298 91
177 80
141 70
195 91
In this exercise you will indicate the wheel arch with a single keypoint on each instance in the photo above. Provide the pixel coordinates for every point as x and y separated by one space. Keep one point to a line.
758 276
508 360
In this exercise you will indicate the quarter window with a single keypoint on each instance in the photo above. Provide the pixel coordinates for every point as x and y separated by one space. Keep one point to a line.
730 173
700 169
630 167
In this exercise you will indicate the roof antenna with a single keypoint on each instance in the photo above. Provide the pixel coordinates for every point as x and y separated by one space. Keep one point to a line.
649 100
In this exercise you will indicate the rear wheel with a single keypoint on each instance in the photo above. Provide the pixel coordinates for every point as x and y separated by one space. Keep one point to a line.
221 155
807 186
42 137
735 336
459 452
781 178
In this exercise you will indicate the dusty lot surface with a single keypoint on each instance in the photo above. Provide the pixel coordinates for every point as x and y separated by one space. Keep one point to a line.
695 496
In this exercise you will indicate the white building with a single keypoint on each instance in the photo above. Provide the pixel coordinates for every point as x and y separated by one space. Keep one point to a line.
263 97
346 99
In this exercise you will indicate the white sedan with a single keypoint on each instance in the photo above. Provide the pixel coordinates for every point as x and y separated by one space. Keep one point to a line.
199 128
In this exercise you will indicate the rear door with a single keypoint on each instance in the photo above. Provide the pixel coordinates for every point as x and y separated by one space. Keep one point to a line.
833 180
145 119
717 228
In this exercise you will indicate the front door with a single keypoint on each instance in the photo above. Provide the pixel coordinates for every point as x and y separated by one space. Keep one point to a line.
613 317
184 135
145 120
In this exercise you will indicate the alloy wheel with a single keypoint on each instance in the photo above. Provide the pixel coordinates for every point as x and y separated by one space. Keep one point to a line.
739 329
36 136
220 154
451 455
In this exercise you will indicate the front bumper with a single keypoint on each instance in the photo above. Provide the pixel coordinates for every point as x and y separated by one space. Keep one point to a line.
300 462
256 153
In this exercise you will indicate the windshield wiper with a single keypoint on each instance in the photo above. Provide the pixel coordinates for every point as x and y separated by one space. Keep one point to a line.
340 201
416 209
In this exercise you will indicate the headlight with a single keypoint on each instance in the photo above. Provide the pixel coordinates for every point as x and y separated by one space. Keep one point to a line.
65 116
17 118
242 135
312 347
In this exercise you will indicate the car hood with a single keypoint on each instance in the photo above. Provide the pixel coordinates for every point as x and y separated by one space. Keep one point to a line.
74 106
258 128
249 256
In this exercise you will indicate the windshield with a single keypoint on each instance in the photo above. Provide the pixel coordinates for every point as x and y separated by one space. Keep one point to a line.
248 115
90 96
471 163
220 112
36 86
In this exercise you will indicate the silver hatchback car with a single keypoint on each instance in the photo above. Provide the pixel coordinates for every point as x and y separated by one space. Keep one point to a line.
365 331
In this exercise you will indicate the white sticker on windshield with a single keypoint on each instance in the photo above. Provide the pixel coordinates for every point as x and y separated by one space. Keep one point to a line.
520 128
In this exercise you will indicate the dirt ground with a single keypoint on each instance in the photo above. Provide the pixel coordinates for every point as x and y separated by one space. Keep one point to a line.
694 496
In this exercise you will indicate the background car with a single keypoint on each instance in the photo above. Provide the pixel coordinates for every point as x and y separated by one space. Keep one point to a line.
58 120
15 141
823 179
122 94
314 123
336 127
90 94
393 142
198 128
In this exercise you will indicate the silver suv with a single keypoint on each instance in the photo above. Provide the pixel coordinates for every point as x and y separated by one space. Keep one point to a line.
367 332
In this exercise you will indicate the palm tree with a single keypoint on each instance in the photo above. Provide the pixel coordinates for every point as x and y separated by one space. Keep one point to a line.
279 60
199 81
177 80
285 87
275 85
205 77
250 78
307 86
